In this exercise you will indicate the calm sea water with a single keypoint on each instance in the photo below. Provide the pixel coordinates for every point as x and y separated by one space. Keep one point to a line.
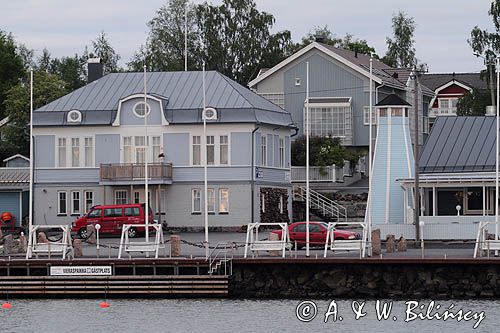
225 316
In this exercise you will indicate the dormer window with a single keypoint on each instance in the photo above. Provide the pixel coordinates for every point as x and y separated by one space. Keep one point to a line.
142 109
74 116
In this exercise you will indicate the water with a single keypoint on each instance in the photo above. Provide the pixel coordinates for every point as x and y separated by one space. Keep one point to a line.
223 316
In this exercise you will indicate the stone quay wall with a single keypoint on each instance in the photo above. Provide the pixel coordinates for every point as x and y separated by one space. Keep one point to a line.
365 280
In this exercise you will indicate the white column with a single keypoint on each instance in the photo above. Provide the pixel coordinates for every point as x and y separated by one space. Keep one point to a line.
434 201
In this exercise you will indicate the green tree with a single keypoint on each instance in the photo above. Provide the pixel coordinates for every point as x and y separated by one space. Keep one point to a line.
401 47
487 45
47 87
43 61
165 47
102 48
474 103
236 37
72 70
11 67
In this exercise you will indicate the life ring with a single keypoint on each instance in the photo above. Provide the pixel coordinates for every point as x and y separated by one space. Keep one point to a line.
6 217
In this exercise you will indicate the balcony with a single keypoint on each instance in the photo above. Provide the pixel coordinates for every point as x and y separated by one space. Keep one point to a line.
435 112
129 173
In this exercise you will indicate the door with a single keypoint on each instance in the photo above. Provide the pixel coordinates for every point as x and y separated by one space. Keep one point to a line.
317 236
298 233
111 220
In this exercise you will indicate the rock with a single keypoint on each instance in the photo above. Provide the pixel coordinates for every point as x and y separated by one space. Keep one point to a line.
376 243
175 245
77 248
273 237
402 244
390 244
8 244
91 234
23 243
41 237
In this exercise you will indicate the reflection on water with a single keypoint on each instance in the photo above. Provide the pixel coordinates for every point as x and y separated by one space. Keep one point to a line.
209 315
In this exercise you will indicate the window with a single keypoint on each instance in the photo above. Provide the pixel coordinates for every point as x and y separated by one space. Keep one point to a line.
74 116
61 148
75 203
313 227
127 149
297 81
300 228
263 150
223 149
95 213
282 153
447 106
89 152
140 149
327 121
156 149
141 109
196 200
132 211
426 125
223 200
113 212
280 204
62 207
474 198
210 149
89 200
263 202
196 150
121 197
137 197
75 152
211 200
366 120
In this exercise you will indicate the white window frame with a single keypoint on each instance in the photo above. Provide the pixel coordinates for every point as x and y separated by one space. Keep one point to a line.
221 190
195 195
198 145
130 148
211 201
89 151
156 148
226 144
282 153
76 155
125 198
148 109
316 120
366 120
60 147
263 202
89 196
263 150
76 196
59 212
210 144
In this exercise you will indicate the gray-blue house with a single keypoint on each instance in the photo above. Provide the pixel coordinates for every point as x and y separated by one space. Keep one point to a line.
90 148
339 85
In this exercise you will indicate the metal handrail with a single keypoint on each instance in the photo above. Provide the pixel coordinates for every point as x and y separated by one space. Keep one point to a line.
329 206
222 248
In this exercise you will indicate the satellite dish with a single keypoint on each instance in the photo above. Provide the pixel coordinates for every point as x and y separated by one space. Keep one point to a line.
209 114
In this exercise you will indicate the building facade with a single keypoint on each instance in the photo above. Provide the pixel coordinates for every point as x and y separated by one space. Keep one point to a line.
91 146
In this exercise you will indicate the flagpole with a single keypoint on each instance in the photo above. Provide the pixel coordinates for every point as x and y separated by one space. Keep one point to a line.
497 151
370 139
30 217
146 187
185 40
307 159
205 164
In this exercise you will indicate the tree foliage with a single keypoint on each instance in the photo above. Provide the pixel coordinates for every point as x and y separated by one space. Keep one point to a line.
102 48
474 103
47 88
401 47
11 67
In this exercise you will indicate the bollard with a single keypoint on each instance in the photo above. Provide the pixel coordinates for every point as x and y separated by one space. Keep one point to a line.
77 248
376 243
402 244
91 232
273 237
175 245
390 244
8 244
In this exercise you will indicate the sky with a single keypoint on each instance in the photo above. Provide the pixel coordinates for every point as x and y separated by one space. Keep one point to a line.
443 26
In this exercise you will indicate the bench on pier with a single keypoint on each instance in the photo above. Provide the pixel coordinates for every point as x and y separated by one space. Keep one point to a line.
36 247
254 244
144 246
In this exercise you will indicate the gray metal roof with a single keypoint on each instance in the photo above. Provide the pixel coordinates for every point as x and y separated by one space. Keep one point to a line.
434 81
99 100
14 178
460 144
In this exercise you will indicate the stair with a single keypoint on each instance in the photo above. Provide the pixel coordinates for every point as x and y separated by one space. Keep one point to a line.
327 209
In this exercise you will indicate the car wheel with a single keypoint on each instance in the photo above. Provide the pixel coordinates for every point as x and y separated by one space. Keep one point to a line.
82 233
132 232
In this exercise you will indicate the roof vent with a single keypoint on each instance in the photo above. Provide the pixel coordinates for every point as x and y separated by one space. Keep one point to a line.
490 111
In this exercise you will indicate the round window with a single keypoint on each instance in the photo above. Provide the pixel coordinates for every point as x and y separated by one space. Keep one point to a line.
141 109
74 116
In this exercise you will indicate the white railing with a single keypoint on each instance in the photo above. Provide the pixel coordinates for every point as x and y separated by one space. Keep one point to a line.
327 206
434 112
316 174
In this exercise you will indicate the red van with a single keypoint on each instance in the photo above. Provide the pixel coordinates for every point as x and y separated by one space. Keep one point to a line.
112 218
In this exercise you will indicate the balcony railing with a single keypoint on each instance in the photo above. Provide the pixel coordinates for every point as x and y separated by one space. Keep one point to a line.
435 112
110 172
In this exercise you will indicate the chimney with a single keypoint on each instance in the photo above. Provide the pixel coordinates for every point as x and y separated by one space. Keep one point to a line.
319 39
94 69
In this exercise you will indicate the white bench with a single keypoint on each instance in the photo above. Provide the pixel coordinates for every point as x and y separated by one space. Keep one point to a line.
267 246
62 247
150 246
347 245
140 247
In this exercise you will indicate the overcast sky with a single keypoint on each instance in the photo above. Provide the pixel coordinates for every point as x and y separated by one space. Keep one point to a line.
443 26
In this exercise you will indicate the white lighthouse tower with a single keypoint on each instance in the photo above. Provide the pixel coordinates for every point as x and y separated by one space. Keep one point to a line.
392 160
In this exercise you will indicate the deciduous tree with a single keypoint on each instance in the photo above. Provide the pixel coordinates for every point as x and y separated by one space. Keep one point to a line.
11 67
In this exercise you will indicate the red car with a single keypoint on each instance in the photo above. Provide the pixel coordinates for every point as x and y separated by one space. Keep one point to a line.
112 218
317 233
